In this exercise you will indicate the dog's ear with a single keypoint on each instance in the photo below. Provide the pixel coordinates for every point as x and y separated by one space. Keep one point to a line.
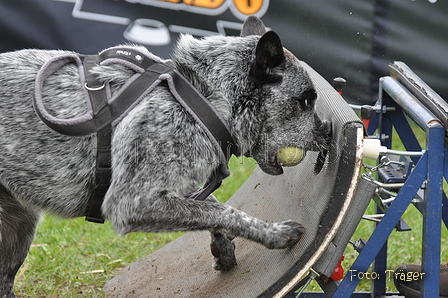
268 55
252 26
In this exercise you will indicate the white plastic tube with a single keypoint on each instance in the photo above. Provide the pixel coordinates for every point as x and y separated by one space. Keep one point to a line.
373 149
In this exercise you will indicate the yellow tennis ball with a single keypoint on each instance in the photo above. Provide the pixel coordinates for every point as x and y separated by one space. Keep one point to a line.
290 156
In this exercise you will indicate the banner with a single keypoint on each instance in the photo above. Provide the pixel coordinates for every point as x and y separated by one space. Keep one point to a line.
354 39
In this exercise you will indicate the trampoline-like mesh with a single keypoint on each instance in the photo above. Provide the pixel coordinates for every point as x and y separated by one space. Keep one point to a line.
183 268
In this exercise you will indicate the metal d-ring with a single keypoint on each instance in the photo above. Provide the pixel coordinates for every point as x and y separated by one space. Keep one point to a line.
94 88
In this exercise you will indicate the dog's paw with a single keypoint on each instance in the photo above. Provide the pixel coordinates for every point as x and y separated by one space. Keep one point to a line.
285 234
223 264
223 249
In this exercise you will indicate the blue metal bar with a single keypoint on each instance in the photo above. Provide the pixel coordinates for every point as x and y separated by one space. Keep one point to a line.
380 265
323 295
446 165
445 209
373 123
386 131
433 211
385 227
444 199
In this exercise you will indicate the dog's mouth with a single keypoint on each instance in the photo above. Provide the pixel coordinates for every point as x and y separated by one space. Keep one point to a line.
272 165
287 157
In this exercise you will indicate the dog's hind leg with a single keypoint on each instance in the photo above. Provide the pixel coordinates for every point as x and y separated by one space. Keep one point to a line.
17 228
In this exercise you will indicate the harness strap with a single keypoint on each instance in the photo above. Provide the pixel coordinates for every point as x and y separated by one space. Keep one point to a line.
103 170
91 122
194 102
198 107
104 113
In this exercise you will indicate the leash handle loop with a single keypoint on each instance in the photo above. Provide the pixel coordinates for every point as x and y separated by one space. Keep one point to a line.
77 126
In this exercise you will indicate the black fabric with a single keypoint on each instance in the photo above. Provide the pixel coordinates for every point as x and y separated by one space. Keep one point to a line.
207 115
379 44
128 55
212 184
103 170
349 38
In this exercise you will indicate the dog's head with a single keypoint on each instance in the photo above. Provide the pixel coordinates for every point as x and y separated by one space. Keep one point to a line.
288 97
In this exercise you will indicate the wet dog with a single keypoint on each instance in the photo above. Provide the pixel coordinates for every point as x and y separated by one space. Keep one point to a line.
159 153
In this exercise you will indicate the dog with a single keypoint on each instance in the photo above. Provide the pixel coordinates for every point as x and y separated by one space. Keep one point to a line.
159 154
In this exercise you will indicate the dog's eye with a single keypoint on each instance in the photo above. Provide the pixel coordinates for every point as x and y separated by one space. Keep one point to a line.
307 99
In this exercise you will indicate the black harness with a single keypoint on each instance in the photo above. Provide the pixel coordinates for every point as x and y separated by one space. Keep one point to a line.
106 111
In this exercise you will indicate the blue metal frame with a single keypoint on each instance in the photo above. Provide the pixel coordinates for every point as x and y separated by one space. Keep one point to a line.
429 172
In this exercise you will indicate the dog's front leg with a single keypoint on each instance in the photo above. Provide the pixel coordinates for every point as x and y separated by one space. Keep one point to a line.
169 212
223 249
222 246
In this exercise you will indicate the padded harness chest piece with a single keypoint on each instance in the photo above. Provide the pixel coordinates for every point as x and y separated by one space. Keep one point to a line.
104 113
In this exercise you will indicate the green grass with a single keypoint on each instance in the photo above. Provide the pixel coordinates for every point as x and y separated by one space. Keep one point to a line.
73 258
